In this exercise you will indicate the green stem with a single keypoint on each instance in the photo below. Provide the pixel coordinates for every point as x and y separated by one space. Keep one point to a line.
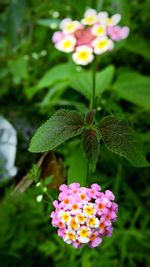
87 174
92 105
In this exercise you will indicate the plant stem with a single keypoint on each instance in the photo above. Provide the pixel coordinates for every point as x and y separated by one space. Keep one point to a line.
92 105
87 174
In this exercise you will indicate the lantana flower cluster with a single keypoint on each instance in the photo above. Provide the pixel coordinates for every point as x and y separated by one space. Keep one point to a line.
84 215
95 34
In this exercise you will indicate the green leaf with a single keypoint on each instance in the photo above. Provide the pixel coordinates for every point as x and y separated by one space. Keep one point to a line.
91 140
77 165
58 73
120 139
60 127
82 82
134 88
138 45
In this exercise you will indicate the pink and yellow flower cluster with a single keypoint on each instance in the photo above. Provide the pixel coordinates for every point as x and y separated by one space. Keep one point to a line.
94 34
84 215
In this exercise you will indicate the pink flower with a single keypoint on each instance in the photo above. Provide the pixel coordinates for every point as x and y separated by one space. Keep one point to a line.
84 215
61 232
84 37
57 36
88 36
109 195
74 186
93 192
77 244
118 33
63 187
95 240
56 203
96 187
102 204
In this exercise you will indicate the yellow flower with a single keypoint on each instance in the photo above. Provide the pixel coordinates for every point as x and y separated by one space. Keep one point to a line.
65 216
93 222
66 44
98 30
90 17
73 224
80 218
70 236
114 20
102 45
83 55
84 234
89 210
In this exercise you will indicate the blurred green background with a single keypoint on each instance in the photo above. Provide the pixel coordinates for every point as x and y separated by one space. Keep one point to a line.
36 80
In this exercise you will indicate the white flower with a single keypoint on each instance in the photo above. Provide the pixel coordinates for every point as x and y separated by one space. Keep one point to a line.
66 44
102 45
80 218
102 17
93 222
71 26
98 30
64 23
90 12
89 210
83 55
114 20
72 224
64 215
70 236
90 17
84 234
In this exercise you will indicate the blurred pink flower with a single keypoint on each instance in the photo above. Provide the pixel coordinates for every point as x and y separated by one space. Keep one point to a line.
118 33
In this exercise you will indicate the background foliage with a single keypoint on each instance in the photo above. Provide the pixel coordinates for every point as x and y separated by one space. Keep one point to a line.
36 80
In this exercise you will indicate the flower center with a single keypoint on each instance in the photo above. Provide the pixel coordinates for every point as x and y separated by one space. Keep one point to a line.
71 236
73 224
84 233
67 44
102 44
83 55
100 206
66 201
93 236
82 196
74 206
102 226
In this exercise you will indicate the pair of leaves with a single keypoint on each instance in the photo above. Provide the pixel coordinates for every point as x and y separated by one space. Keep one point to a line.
116 134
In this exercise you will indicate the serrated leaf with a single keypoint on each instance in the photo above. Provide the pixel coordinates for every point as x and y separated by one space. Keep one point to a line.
82 82
60 127
120 139
91 139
